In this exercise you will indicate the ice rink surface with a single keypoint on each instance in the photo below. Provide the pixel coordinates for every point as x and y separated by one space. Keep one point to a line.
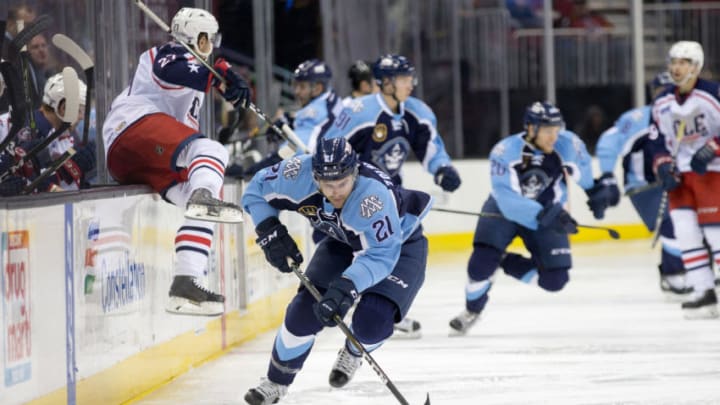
610 337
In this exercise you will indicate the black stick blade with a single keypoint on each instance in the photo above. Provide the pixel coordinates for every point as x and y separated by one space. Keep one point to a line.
36 27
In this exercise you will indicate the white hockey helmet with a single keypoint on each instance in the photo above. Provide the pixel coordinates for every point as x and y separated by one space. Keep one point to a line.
690 50
54 92
189 23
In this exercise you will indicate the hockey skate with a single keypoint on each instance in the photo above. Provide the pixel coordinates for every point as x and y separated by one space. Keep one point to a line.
462 323
407 329
187 297
702 306
674 289
344 368
266 393
203 206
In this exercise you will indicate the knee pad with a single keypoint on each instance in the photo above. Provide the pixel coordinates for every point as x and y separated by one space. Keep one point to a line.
373 319
553 279
300 319
483 262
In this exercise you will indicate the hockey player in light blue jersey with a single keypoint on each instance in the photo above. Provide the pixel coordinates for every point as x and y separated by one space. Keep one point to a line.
319 105
628 141
374 256
384 127
528 176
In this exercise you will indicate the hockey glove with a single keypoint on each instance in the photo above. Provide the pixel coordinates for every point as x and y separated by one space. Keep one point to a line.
704 156
447 178
74 169
338 300
236 91
666 172
556 218
605 193
277 244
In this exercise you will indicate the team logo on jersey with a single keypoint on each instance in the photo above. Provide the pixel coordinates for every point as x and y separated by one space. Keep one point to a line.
308 211
380 133
292 168
159 149
370 205
498 150
533 182
329 224
194 67
356 106
391 155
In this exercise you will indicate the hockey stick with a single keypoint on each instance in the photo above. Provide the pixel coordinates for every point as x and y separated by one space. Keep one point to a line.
51 169
19 43
351 337
641 189
40 24
285 132
71 48
72 105
664 199
611 232
16 99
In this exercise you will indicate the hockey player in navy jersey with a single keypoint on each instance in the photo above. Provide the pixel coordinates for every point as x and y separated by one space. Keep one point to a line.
384 127
528 178
374 255
687 118
629 140
319 105
151 137
362 81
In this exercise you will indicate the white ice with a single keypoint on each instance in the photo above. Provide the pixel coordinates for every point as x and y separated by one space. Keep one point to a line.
610 337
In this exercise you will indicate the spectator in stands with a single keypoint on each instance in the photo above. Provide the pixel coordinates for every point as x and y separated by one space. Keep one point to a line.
525 13
41 60
577 14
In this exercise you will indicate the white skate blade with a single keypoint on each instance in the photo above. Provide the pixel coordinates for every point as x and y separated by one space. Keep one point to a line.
406 335
706 312
224 215
674 298
183 306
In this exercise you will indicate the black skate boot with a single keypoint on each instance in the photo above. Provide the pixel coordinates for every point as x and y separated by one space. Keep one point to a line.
266 393
462 323
203 206
344 368
407 329
187 297
702 306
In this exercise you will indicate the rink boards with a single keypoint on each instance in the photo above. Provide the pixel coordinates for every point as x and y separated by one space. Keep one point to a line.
70 338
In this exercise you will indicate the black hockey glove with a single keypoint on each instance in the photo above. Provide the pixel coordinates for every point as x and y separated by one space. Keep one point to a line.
447 178
605 193
556 218
236 91
338 300
277 244
704 156
666 172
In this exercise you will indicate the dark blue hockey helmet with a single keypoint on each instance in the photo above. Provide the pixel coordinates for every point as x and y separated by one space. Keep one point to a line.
359 72
392 65
313 70
543 114
334 159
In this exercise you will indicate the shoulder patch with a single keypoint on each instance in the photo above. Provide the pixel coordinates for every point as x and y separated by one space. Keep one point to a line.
370 205
292 168
356 106
498 150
